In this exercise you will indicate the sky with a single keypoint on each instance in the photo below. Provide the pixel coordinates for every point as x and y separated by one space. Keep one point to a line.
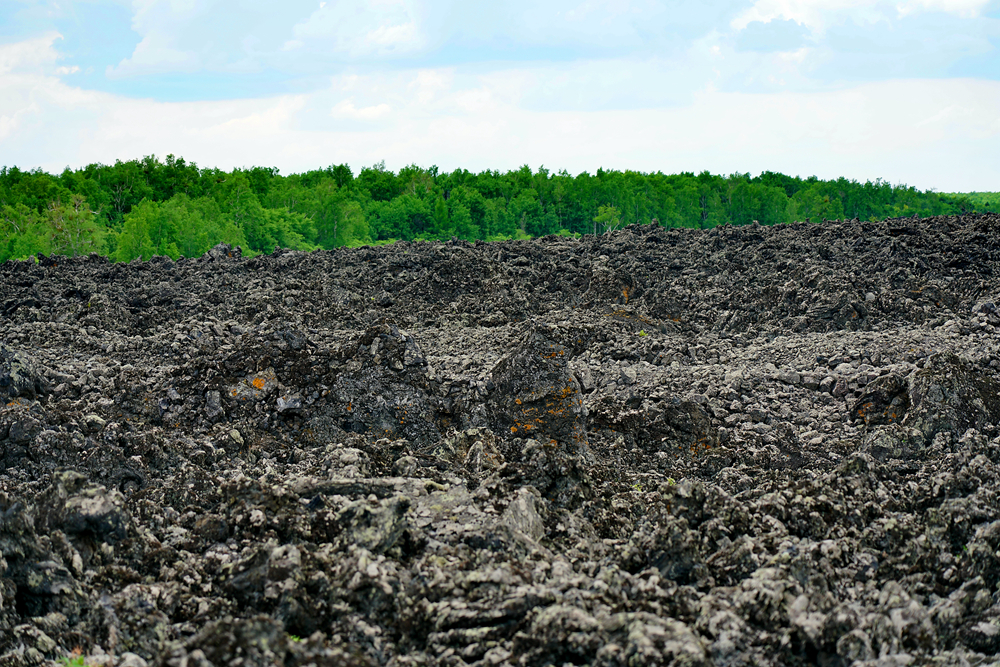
906 90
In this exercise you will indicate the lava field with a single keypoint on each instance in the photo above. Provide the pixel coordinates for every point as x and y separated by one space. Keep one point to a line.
736 446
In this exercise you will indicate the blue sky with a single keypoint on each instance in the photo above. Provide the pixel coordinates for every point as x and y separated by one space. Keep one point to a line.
907 90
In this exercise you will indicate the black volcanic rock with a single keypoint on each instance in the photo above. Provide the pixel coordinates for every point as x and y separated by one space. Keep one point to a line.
535 395
735 446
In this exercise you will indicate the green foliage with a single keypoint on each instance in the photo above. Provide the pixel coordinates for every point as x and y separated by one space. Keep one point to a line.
23 233
178 227
606 220
975 201
172 207
73 661
73 229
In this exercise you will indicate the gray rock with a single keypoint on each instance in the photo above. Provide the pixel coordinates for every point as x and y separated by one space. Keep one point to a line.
392 517
213 405
405 466
20 375
584 376
24 429
949 394
289 404
129 659
535 394
94 423
521 515
789 377
855 646
383 390
83 510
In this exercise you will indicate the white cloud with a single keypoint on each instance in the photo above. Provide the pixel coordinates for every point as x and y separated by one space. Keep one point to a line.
390 37
29 54
457 118
430 83
962 8
163 25
384 28
346 109
155 53
814 14
817 15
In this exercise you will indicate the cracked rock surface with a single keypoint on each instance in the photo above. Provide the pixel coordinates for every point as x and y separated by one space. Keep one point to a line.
738 446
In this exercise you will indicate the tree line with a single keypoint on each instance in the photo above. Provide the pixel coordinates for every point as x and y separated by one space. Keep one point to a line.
147 207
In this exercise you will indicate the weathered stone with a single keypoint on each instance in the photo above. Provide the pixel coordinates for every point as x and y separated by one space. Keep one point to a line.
83 510
350 497
94 423
536 396
948 394
384 391
20 375
213 405
289 404
884 401
521 514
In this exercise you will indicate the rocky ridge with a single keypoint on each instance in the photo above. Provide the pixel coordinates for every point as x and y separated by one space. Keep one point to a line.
737 446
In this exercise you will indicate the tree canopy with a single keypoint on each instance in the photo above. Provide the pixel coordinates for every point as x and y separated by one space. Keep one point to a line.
147 207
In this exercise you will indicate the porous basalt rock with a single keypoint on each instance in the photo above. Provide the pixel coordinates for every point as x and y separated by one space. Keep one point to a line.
535 394
747 446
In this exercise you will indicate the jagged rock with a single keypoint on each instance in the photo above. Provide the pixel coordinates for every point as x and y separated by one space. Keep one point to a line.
521 515
535 395
94 423
383 390
289 404
255 642
374 527
894 442
213 405
475 449
19 375
948 394
82 510
884 401
765 446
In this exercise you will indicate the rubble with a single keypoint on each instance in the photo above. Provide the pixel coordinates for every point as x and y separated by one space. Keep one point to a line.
735 446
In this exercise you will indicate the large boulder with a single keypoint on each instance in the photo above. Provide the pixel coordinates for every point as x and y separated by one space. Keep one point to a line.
534 394
382 389
20 375
89 514
948 395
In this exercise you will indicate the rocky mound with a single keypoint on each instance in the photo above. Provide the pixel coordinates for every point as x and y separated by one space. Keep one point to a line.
739 446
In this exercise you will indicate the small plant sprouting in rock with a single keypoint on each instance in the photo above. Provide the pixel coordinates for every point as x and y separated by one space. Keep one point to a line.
637 487
74 659
671 481
642 332
295 638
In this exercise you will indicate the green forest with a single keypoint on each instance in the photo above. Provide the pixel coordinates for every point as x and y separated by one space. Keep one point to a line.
148 207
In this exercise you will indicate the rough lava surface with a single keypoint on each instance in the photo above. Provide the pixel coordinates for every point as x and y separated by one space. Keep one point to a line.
738 446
